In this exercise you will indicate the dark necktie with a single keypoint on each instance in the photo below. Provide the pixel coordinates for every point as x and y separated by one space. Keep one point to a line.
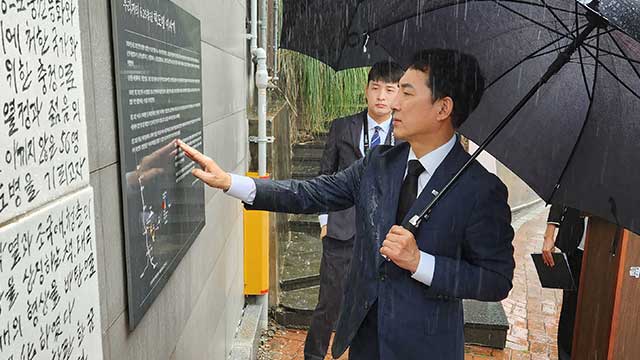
409 189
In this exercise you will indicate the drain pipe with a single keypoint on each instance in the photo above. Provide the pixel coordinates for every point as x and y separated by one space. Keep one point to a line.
259 61
262 82
254 27
263 24
276 15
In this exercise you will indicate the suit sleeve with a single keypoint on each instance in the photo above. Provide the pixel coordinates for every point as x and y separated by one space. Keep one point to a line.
484 270
319 195
555 214
329 162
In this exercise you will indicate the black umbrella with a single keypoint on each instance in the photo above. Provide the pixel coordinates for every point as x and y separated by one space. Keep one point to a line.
330 31
563 88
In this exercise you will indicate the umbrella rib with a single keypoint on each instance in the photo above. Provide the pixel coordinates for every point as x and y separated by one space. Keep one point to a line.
405 18
612 73
626 57
575 13
589 38
584 74
577 62
531 20
584 125
537 5
556 16
614 54
533 55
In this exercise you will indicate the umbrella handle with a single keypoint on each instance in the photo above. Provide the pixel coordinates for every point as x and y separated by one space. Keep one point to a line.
618 234
414 223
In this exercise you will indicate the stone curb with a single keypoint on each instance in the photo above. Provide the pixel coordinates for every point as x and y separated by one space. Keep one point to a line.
247 340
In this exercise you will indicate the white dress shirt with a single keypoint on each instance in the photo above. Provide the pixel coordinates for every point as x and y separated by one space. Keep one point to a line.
584 234
371 126
584 231
244 188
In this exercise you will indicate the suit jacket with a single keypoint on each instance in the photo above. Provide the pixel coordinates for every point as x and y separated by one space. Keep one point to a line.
571 227
341 150
469 233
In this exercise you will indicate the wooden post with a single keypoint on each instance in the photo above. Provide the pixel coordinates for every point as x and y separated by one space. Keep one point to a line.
608 312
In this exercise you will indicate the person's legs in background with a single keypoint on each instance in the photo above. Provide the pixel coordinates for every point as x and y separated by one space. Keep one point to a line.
569 307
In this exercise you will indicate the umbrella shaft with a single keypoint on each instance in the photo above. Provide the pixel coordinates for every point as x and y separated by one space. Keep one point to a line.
563 58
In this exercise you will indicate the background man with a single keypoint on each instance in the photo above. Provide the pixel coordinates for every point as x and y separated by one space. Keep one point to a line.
572 229
348 140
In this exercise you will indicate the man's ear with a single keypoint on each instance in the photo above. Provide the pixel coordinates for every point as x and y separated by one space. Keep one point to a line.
445 108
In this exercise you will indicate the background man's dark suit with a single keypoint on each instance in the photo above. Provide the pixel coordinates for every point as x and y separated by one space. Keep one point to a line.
469 234
571 227
342 149
570 231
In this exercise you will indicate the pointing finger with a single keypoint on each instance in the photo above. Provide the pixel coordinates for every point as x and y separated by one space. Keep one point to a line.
193 154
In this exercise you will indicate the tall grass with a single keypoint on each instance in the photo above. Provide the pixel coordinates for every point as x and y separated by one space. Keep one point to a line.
316 93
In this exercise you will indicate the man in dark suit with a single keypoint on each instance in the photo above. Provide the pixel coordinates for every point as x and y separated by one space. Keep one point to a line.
408 307
572 226
348 140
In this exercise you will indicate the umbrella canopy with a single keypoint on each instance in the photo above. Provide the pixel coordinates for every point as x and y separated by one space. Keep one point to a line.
563 81
330 31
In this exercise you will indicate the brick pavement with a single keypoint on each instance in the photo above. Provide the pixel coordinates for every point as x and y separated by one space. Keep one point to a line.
532 311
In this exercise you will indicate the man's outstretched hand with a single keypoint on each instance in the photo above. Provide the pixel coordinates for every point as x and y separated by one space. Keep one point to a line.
210 173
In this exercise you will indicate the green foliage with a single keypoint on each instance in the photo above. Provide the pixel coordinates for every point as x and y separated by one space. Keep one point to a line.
318 94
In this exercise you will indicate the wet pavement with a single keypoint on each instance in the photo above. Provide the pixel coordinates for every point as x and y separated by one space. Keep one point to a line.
532 311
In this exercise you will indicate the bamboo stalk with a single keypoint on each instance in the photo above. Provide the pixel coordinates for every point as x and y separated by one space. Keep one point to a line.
318 93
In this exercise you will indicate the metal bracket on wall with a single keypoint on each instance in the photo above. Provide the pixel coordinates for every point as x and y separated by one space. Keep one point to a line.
268 140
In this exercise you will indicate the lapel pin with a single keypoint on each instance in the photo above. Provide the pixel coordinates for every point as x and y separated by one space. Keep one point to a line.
434 192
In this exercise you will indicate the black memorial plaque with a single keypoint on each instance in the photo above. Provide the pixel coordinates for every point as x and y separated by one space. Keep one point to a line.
159 92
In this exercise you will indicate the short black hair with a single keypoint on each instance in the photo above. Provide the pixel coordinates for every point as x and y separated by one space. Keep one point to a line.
452 74
387 71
